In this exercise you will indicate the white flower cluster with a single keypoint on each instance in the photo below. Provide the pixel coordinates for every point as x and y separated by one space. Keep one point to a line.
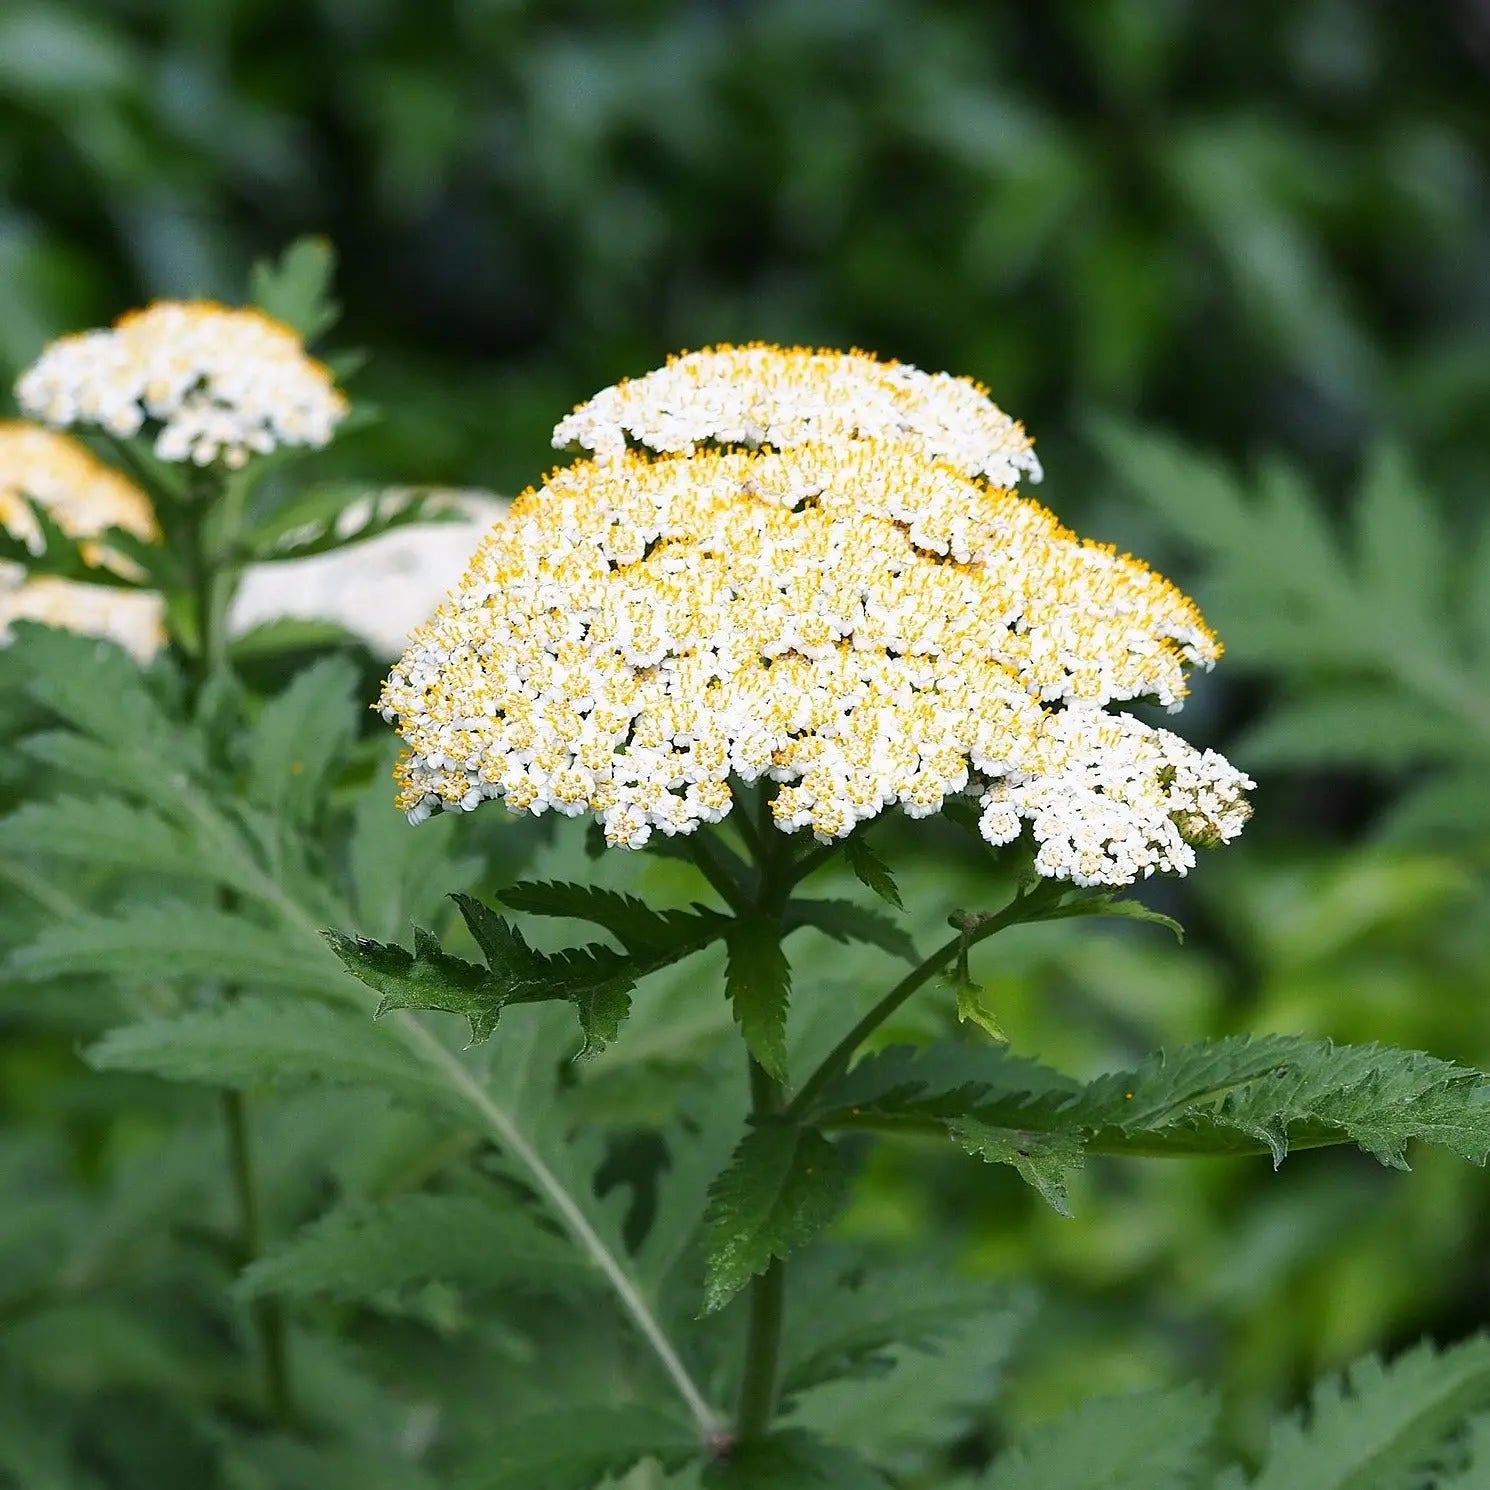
218 384
764 395
84 498
1111 800
854 620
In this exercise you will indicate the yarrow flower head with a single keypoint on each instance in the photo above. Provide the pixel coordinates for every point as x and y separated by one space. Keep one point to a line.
844 609
216 384
84 498
764 395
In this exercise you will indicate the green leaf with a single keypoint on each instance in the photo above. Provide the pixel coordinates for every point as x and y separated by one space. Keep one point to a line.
871 870
257 1042
98 688
783 1185
1148 1441
1044 1161
640 929
282 634
298 739
1198 498
972 1005
297 289
1351 725
758 980
177 940
793 1460
1473 1471
842 1326
359 1252
427 978
325 519
1403 549
595 980
846 922
54 552
924 1399
1229 1096
109 834
1111 905
1379 1423
580 1447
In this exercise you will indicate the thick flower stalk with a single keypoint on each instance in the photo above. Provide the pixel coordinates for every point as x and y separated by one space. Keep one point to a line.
848 606
84 498
213 384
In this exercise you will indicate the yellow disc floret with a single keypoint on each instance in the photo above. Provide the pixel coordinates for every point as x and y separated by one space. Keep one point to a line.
215 383
854 618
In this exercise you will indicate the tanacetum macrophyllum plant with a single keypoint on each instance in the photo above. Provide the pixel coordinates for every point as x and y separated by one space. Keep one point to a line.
787 592
781 612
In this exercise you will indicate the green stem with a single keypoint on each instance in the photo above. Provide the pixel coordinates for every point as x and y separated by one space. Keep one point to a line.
269 1320
971 930
211 514
758 1381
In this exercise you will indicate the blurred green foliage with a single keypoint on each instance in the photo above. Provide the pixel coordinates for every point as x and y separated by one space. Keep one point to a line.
1265 228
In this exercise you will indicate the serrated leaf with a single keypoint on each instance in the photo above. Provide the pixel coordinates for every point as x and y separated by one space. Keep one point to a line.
1402 548
257 1042
92 764
846 922
871 870
783 1185
177 940
1352 725
108 833
1116 906
843 1326
758 980
639 928
793 1459
298 737
297 288
427 978
1148 1441
596 981
580 1447
1044 1161
1195 495
1379 1423
1235 1095
1473 1470
98 688
924 1399
973 1006
361 1251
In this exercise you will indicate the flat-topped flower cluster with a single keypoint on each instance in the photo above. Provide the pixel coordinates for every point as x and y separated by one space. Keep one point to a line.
84 498
216 384
811 572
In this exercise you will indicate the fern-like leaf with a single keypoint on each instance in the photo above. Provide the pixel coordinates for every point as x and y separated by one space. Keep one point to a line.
1235 1095
359 1252
1378 1424
1152 1441
782 1187
256 1042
